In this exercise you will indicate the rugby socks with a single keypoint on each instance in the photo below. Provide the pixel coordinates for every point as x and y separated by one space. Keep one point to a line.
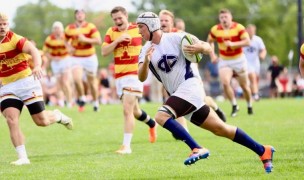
127 139
233 102
21 152
146 119
242 138
179 131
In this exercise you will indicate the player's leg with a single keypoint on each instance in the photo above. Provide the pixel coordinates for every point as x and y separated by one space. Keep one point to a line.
225 74
65 80
93 85
77 72
128 102
216 126
32 97
90 66
11 109
244 83
211 103
141 115
166 115
43 117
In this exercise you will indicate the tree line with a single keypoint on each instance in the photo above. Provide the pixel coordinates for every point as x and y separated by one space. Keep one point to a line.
276 20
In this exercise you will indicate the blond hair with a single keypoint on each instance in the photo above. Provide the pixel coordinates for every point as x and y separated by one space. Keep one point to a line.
166 12
3 16
58 24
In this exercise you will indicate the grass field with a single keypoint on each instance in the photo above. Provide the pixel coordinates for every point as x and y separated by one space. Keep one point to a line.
87 152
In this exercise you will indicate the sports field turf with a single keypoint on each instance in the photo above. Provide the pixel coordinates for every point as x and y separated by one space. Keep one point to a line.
87 152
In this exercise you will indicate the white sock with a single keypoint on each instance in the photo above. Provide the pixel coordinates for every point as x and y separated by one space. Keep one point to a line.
83 98
96 103
61 103
21 152
249 104
127 139
234 102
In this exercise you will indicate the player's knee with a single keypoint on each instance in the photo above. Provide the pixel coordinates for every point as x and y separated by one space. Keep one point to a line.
40 120
199 116
11 121
163 114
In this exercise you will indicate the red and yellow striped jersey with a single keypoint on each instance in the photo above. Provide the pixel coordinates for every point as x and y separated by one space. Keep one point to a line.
236 32
302 51
125 53
13 62
55 46
89 30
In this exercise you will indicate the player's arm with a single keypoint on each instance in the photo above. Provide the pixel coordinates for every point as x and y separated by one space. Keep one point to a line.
29 48
143 67
94 40
243 42
263 53
198 46
109 48
212 54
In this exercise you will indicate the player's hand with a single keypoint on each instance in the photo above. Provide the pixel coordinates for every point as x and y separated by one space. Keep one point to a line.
190 49
214 58
37 72
82 38
149 53
228 43
124 37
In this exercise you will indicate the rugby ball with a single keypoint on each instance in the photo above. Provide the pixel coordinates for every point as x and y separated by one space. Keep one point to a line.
195 58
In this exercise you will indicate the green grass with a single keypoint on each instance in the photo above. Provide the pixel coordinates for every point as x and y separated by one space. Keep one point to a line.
87 152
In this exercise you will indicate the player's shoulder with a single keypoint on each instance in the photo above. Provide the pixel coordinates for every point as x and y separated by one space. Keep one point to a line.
238 25
216 27
175 35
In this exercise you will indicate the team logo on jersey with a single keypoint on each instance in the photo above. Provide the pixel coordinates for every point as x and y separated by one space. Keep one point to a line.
167 62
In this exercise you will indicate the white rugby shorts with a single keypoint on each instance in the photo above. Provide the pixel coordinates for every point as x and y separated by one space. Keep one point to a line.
89 64
129 85
60 66
28 90
238 65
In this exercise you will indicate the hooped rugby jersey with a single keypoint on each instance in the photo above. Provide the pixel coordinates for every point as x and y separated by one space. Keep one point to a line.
236 32
125 53
13 62
82 49
55 46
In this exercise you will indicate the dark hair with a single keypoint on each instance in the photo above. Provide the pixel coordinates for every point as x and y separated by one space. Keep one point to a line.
119 9
77 10
224 10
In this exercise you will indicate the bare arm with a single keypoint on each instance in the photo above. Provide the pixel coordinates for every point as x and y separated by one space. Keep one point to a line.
94 41
143 68
108 49
241 43
29 48
212 54
199 47
263 54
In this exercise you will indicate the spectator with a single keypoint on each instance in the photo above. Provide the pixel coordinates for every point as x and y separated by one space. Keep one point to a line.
274 71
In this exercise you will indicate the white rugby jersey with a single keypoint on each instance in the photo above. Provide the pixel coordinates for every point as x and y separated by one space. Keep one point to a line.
252 51
168 63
